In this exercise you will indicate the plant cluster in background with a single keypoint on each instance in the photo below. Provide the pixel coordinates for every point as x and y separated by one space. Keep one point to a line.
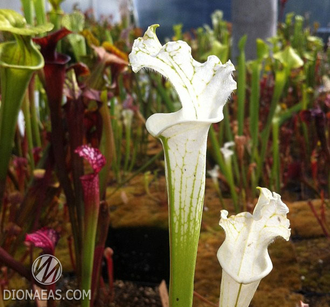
276 130
66 83
69 75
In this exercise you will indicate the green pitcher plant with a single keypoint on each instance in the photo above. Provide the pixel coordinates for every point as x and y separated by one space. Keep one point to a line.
243 255
18 60
203 90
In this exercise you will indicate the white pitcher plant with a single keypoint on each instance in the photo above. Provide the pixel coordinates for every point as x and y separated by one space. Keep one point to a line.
243 255
203 89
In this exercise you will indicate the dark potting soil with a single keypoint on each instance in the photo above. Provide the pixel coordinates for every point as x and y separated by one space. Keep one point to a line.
141 254
128 294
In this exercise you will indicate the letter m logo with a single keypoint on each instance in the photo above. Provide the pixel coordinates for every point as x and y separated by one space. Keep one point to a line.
46 269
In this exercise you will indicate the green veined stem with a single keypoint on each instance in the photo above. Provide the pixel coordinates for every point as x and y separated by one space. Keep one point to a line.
39 6
114 124
298 36
127 146
55 19
221 162
28 11
88 248
230 137
284 116
226 119
28 128
162 92
118 147
304 126
241 83
254 119
276 169
107 143
280 81
254 106
137 140
185 212
34 115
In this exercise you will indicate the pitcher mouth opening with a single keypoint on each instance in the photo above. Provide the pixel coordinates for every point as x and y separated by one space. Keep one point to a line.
159 122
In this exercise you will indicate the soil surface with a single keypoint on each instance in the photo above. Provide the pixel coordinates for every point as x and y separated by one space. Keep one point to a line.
301 266
134 295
